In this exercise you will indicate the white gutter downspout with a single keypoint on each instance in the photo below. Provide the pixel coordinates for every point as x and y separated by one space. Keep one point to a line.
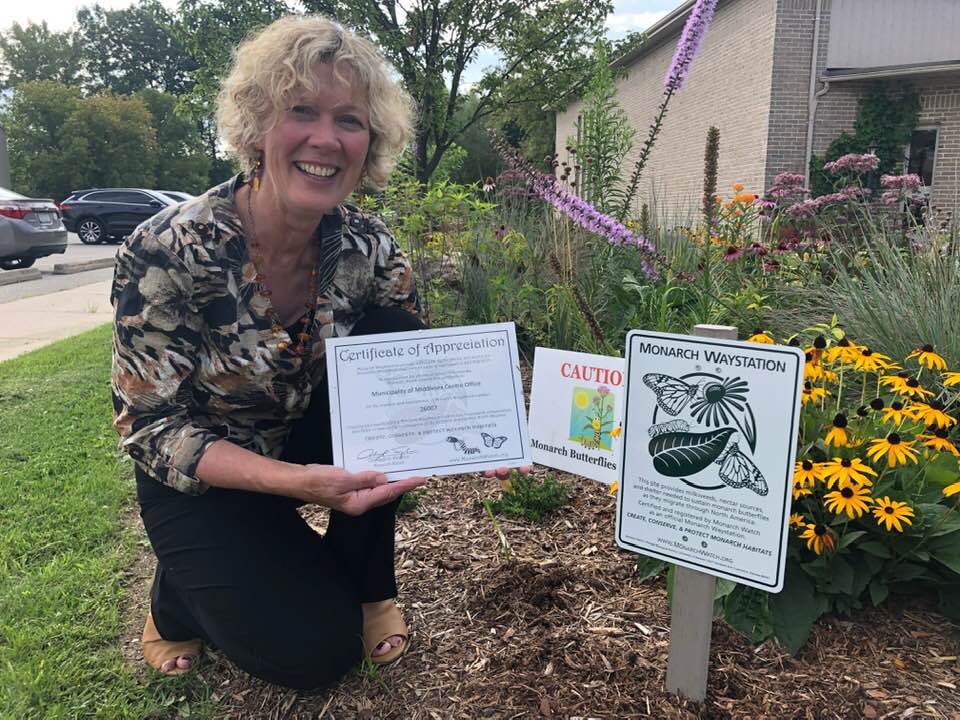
813 96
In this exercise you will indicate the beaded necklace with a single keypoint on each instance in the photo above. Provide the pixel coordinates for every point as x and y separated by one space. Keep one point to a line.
306 332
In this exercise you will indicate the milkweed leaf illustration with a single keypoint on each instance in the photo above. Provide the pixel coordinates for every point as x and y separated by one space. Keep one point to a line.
676 454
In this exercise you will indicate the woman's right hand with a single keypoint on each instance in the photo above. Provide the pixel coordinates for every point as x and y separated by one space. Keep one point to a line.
350 493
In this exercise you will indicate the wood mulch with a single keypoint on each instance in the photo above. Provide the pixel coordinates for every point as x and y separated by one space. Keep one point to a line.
564 629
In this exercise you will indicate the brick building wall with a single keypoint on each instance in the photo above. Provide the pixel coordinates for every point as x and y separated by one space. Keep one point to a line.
728 86
940 108
790 86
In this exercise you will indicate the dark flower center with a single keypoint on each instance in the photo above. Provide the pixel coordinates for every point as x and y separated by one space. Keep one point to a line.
941 433
897 405
820 530
794 342
820 342
807 386
888 510
927 348
867 353
757 331
901 374
876 404
732 250
808 357
936 405
840 421
893 439
845 463
807 465
912 383
714 393
862 411
844 342
847 492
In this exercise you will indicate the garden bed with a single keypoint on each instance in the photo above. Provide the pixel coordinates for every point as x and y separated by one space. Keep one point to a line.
564 629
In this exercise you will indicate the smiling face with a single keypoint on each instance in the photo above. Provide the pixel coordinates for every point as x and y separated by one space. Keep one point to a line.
315 153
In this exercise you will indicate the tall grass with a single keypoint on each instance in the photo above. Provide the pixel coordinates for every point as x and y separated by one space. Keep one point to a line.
892 290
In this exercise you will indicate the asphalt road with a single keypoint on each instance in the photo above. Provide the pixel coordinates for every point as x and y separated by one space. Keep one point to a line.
50 283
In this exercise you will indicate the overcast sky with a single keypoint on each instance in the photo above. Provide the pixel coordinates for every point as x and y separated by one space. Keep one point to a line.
628 16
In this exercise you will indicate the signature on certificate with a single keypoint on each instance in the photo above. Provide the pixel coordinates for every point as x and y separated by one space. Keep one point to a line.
390 455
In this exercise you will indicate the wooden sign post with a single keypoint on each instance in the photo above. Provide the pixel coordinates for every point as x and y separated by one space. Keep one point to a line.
691 614
709 443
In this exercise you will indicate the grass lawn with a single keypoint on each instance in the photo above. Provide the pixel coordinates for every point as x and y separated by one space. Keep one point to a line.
64 548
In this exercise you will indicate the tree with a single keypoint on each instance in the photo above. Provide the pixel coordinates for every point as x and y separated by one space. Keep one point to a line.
34 122
32 52
134 48
544 49
210 30
181 161
109 141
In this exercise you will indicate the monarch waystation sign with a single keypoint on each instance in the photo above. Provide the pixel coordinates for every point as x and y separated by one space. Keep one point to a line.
706 467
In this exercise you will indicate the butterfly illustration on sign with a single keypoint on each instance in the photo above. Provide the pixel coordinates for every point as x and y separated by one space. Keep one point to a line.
714 402
493 442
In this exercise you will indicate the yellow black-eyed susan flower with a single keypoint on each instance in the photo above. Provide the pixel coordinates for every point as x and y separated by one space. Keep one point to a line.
913 388
927 356
932 414
952 489
895 413
844 351
819 538
760 336
897 382
799 489
797 520
939 441
838 432
870 361
812 393
894 448
892 514
844 471
854 501
951 378
807 473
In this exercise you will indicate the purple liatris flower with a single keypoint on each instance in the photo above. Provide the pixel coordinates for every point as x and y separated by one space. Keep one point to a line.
693 31
577 209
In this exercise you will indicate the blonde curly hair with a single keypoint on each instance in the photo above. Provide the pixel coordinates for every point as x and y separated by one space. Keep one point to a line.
275 64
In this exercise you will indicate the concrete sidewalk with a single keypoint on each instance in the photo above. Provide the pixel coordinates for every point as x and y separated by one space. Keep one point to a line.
37 321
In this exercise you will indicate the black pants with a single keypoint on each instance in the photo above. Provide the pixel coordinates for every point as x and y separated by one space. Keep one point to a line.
244 572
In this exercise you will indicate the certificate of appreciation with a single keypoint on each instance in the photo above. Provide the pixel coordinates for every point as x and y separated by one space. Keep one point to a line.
427 402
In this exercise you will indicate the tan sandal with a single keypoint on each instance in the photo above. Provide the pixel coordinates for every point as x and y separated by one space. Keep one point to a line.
157 651
383 620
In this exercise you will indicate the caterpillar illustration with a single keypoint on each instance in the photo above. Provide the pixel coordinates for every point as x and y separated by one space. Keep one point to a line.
669 427
462 446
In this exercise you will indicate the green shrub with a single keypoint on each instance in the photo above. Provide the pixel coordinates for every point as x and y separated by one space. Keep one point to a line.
525 496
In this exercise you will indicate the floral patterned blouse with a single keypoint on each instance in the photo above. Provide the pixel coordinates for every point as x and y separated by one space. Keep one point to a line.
195 355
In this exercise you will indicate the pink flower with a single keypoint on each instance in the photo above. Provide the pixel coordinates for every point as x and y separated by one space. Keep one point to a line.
732 253
603 391
910 181
853 162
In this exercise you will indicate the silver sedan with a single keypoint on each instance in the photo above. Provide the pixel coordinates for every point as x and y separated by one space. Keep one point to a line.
30 228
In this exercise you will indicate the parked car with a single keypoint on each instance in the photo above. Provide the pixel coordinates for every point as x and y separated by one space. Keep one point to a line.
110 214
176 195
30 228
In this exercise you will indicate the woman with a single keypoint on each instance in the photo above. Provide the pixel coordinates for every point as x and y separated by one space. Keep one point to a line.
221 306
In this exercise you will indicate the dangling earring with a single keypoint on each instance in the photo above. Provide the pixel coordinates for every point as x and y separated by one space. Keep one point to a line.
256 175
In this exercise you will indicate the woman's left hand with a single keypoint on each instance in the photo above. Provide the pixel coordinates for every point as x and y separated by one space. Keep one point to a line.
504 472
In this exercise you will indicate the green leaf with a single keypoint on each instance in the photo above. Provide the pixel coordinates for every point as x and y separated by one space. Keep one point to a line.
875 547
747 611
878 591
839 577
850 537
794 610
904 572
649 567
946 549
671 574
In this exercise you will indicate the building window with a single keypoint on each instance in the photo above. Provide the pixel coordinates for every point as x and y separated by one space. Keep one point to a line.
921 154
